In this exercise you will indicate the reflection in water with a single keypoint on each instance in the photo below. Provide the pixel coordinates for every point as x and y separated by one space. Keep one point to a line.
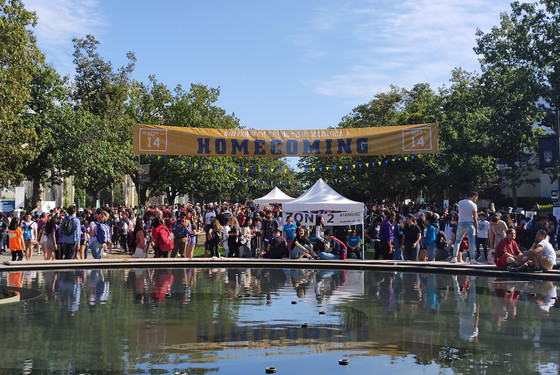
201 320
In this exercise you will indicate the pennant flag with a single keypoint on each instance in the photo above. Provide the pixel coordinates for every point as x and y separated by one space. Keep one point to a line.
367 164
320 168
361 165
354 166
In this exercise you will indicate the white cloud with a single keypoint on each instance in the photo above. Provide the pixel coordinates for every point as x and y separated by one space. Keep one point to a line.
402 42
59 22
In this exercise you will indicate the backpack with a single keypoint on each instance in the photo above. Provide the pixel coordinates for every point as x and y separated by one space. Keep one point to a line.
27 232
100 234
343 248
68 227
441 240
131 239
278 248
165 242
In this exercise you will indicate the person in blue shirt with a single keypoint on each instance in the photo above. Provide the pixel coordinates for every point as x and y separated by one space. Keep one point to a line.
431 236
289 231
353 243
72 235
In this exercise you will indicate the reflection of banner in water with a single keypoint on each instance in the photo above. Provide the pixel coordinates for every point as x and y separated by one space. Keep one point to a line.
335 218
381 140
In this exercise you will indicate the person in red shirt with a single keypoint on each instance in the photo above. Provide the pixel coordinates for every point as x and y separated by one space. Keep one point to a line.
507 252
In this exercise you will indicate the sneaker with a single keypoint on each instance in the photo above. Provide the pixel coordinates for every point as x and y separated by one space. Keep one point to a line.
512 269
473 261
453 260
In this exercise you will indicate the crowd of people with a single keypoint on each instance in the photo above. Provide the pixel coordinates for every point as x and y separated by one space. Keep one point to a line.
412 232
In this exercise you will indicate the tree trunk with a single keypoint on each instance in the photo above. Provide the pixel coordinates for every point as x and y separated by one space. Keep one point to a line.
514 178
36 195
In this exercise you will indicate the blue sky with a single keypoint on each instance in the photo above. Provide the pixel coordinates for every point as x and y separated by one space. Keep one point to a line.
279 64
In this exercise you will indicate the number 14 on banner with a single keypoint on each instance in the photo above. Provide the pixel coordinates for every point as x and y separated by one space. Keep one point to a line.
417 139
153 140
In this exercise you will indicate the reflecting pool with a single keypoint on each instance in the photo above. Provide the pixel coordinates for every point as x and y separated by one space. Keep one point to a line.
299 321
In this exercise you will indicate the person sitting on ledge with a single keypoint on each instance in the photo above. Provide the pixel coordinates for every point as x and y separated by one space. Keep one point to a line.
507 253
334 248
541 256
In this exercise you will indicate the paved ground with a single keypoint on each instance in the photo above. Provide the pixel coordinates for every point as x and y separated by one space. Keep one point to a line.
122 260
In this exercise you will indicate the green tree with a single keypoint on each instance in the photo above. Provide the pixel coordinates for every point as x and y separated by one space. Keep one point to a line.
527 42
49 94
102 129
464 161
18 57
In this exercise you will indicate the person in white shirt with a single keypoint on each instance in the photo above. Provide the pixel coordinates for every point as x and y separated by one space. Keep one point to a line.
482 237
29 228
467 224
541 255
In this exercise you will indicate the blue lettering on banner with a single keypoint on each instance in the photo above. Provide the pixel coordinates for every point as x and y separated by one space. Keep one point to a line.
259 149
220 146
273 149
203 148
362 145
329 146
241 147
347 146
291 147
311 147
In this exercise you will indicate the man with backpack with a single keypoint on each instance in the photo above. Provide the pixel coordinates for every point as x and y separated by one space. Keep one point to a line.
71 234
29 228
100 234
336 248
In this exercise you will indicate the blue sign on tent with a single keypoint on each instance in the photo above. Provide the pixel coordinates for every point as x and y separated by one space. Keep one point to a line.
7 206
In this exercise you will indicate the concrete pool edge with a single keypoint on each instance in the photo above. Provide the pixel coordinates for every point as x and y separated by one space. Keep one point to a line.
349 264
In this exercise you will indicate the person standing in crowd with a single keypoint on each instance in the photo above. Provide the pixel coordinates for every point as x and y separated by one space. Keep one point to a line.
482 237
15 240
289 231
71 234
139 239
397 237
386 238
233 238
99 234
214 234
411 238
468 224
3 232
49 231
430 237
269 227
320 234
181 236
29 228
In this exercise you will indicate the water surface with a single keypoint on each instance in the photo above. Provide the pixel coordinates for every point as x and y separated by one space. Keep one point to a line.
240 321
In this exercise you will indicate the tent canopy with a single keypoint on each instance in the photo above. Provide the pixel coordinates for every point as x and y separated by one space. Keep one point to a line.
274 196
322 197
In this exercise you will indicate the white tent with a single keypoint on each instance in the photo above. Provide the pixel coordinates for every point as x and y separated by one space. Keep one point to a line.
322 197
274 196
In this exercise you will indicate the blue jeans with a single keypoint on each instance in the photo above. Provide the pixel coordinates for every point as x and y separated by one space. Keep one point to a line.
328 256
431 249
397 253
468 229
297 252
96 249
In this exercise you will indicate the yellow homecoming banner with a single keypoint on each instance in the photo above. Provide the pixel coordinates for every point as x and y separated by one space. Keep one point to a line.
386 140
